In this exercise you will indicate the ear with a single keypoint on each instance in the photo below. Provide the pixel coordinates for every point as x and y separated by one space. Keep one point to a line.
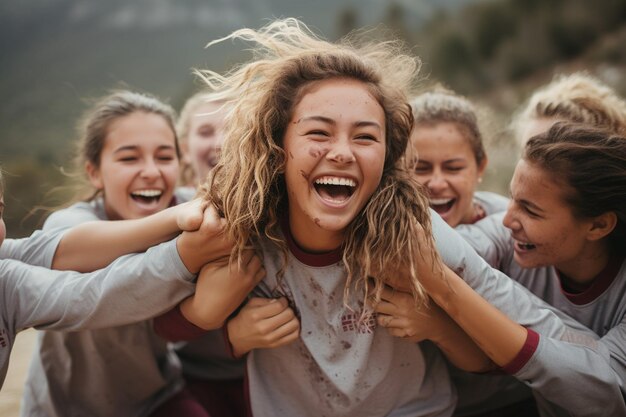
93 173
602 225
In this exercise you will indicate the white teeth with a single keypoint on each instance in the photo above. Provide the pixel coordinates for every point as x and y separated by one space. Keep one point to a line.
147 193
525 245
439 201
336 181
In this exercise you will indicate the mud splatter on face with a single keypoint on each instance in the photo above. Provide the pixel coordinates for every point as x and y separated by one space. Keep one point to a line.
317 151
305 175
290 155
317 221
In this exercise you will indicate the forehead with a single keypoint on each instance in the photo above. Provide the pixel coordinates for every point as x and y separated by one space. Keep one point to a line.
338 98
530 181
140 129
443 139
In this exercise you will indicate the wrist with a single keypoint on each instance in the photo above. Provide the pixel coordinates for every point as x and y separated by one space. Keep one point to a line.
192 312
186 256
239 348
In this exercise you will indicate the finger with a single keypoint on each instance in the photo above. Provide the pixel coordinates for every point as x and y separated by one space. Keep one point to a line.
259 275
275 321
258 301
286 339
290 327
271 309
212 221
387 293
385 307
246 257
390 321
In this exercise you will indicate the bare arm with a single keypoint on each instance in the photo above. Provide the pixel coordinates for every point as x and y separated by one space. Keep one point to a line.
398 313
221 288
93 245
498 336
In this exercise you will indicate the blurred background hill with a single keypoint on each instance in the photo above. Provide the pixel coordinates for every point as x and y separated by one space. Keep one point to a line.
56 55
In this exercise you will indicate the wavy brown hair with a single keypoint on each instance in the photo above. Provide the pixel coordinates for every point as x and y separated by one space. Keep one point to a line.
592 162
248 183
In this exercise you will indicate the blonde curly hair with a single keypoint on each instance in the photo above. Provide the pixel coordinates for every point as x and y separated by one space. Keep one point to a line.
248 183
579 98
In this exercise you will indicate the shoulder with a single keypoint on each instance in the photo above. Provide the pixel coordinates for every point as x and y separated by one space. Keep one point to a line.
491 202
184 194
75 214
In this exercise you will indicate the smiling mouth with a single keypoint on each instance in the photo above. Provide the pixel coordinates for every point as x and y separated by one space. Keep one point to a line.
524 246
442 205
146 196
335 189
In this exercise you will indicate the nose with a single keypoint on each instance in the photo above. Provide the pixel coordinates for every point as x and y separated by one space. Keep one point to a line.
510 219
437 182
150 169
341 152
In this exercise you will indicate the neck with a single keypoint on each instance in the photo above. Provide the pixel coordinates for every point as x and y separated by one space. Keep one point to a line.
314 239
581 271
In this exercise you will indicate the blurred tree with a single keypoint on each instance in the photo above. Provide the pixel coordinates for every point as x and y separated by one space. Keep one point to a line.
347 21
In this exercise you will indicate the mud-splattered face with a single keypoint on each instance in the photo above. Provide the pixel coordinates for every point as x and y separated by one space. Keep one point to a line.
543 226
335 148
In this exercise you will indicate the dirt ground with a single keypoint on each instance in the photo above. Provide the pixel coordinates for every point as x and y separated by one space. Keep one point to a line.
11 392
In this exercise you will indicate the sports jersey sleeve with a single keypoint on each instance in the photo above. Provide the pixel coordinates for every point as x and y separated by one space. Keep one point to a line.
133 288
488 237
586 380
37 249
561 357
71 216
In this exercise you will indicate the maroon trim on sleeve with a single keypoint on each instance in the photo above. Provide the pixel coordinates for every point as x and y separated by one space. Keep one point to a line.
174 327
309 258
599 284
229 346
524 355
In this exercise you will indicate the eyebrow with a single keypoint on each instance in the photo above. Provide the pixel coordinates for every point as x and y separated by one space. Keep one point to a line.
526 202
135 147
363 123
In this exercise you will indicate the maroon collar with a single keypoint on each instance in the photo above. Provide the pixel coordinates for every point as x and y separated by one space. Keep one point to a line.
600 283
308 258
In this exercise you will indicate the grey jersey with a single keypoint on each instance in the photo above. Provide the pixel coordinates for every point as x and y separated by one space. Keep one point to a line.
123 371
584 381
37 249
31 296
343 364
490 202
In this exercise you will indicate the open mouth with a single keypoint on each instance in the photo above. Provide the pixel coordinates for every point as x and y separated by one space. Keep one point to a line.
442 205
524 246
335 189
147 197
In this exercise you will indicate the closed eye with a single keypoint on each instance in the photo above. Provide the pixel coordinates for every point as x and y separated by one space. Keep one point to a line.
367 137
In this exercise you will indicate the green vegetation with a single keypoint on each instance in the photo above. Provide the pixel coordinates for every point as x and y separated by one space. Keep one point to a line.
494 51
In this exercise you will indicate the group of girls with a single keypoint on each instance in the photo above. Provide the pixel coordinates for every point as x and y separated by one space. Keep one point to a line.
321 259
